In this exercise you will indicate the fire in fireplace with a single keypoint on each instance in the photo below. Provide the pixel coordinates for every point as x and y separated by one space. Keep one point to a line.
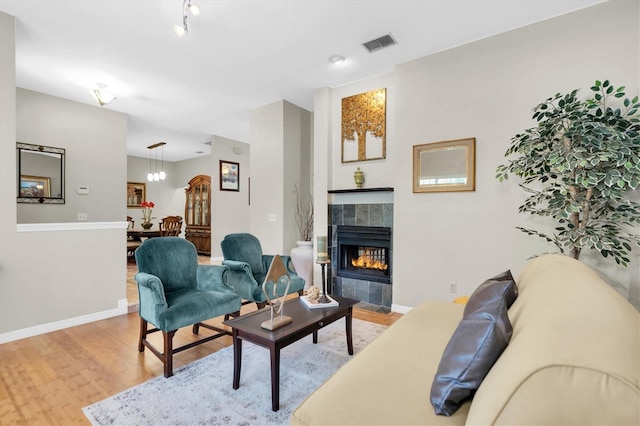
363 253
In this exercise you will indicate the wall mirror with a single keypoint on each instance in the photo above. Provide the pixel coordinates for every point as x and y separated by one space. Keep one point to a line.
40 174
444 166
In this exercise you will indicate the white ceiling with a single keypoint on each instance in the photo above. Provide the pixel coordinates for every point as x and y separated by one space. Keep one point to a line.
238 55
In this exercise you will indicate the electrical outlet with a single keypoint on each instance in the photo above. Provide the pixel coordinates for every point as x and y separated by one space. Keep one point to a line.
272 217
453 287
82 216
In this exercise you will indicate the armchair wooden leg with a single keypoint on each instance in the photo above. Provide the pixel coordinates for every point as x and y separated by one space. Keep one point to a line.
168 352
231 315
196 328
143 334
261 305
301 292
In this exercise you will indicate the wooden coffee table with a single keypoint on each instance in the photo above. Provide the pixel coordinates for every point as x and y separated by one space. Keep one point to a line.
305 321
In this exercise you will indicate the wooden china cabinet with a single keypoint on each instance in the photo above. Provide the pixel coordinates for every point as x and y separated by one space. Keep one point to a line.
197 213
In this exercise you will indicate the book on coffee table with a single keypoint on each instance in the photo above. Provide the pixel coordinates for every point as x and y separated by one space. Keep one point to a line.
313 304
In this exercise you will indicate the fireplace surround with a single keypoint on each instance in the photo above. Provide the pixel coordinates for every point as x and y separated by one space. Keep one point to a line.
352 212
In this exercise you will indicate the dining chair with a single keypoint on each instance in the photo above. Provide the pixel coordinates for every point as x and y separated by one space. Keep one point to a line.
171 226
132 243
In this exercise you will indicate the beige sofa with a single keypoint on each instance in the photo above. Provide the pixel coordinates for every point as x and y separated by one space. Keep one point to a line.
574 358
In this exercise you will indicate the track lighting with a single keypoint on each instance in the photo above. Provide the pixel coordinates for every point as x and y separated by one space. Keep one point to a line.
194 10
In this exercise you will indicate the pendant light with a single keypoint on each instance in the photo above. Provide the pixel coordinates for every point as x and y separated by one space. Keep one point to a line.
155 175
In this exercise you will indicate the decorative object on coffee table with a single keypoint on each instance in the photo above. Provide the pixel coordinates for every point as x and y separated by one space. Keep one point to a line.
324 298
313 293
322 248
277 275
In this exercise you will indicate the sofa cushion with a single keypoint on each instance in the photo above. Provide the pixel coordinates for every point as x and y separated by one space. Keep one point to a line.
476 344
384 383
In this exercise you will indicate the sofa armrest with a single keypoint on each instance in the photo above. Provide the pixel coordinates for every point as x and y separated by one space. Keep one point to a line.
288 263
152 299
240 278
213 278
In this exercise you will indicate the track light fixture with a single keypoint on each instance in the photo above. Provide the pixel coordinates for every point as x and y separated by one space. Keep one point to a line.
156 175
187 7
101 95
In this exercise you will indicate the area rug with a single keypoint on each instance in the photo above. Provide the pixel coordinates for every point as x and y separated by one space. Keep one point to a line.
201 392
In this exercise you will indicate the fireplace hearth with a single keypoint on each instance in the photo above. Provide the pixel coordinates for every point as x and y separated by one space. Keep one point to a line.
363 253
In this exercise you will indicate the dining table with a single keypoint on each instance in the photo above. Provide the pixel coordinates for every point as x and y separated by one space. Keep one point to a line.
138 234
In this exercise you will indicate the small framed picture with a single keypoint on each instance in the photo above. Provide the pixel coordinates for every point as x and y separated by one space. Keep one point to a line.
35 186
229 176
136 194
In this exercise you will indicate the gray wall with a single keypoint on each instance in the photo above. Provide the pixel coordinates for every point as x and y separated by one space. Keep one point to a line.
485 90
87 133
59 274
229 209
280 157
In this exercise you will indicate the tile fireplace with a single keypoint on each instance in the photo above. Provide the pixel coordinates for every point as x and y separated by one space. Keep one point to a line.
362 257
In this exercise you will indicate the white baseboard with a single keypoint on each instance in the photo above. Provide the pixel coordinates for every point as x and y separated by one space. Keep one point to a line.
400 309
122 309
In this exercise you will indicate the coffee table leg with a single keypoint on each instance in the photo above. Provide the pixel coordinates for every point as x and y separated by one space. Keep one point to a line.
237 359
275 378
315 337
349 327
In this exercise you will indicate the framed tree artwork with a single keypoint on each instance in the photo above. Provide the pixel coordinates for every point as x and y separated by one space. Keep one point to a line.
364 126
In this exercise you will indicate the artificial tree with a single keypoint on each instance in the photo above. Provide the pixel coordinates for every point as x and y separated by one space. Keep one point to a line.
580 164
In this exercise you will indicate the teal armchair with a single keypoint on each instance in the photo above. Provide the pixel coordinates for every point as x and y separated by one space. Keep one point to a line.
176 292
248 267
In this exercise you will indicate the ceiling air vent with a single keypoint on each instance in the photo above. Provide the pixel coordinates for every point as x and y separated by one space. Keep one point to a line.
379 43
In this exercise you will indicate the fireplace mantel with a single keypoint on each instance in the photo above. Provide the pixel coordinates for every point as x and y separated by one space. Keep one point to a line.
356 190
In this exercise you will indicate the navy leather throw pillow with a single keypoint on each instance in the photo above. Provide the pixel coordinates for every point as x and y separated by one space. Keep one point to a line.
500 287
479 339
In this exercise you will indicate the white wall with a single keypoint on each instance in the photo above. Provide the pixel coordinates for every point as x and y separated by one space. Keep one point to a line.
485 90
56 278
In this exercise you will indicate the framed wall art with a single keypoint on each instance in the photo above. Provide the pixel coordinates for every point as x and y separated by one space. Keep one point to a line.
35 186
445 166
364 126
229 176
136 194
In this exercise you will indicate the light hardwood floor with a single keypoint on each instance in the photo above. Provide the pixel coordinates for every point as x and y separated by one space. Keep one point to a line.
47 379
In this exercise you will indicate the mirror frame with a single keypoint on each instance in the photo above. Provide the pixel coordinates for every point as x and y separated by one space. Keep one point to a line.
44 149
469 146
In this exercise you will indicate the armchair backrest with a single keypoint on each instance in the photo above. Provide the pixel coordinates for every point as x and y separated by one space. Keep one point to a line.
172 259
245 248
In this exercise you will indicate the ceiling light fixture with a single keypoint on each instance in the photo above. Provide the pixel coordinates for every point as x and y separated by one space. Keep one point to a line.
101 95
187 6
336 59
156 175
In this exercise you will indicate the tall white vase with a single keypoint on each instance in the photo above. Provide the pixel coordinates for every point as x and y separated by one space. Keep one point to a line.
302 258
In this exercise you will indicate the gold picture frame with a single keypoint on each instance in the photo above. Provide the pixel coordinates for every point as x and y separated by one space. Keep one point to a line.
136 194
445 166
35 186
364 116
